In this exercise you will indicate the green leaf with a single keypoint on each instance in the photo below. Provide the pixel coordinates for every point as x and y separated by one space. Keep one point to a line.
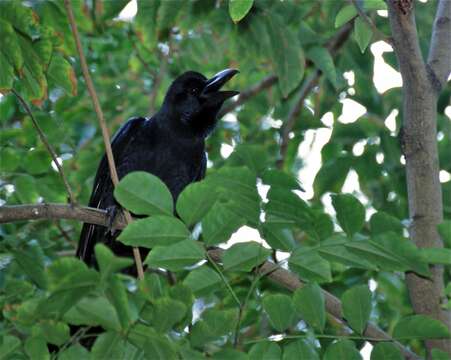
436 256
94 311
238 189
176 257
286 53
203 281
309 265
108 262
239 8
144 194
254 157
60 74
265 350
25 187
230 354
117 295
374 5
299 349
362 33
438 354
9 345
323 61
107 346
279 178
444 230
166 313
350 213
278 237
280 310
357 307
10 45
75 352
69 281
386 351
54 332
331 176
214 324
6 74
31 262
36 348
342 350
244 256
420 327
19 16
381 222
333 249
310 304
155 230
286 205
344 15
195 201
37 162
155 346
220 223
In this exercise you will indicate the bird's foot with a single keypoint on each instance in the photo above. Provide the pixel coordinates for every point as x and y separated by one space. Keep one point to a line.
111 212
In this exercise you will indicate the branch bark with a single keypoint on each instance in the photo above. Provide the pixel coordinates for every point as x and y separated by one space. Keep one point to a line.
48 146
102 122
278 275
419 145
439 59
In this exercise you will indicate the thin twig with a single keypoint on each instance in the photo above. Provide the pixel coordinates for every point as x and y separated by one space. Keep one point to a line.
379 34
48 146
249 93
102 123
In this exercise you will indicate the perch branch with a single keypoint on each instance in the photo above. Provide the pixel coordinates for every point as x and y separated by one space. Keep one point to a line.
102 123
48 146
275 273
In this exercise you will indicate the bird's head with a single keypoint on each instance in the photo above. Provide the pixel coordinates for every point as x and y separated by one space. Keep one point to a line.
193 101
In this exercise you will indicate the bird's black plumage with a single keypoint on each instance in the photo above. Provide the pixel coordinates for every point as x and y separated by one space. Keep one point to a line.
170 145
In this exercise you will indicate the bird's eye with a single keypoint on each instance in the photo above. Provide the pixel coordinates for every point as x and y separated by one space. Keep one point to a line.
194 91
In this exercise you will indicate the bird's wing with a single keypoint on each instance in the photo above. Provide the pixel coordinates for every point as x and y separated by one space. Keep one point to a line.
102 193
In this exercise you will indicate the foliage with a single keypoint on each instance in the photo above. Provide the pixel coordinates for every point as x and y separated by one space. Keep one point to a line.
210 308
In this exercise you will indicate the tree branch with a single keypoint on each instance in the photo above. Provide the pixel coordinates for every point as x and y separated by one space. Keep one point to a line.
439 59
48 146
249 93
419 145
102 123
274 272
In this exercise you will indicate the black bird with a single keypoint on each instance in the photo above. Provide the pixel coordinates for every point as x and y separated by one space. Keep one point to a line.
170 145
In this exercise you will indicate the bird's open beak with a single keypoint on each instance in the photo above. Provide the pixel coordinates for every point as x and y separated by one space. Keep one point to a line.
214 84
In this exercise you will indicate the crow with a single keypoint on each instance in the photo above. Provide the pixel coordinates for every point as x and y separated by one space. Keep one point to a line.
170 145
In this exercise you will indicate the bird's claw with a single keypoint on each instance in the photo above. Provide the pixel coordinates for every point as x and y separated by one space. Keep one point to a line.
111 212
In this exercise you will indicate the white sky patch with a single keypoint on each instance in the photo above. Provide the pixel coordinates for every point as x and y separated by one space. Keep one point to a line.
350 77
372 284
226 150
444 176
359 147
328 119
382 13
229 117
366 351
129 11
390 121
60 162
310 152
448 112
380 157
245 234
352 110
384 76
